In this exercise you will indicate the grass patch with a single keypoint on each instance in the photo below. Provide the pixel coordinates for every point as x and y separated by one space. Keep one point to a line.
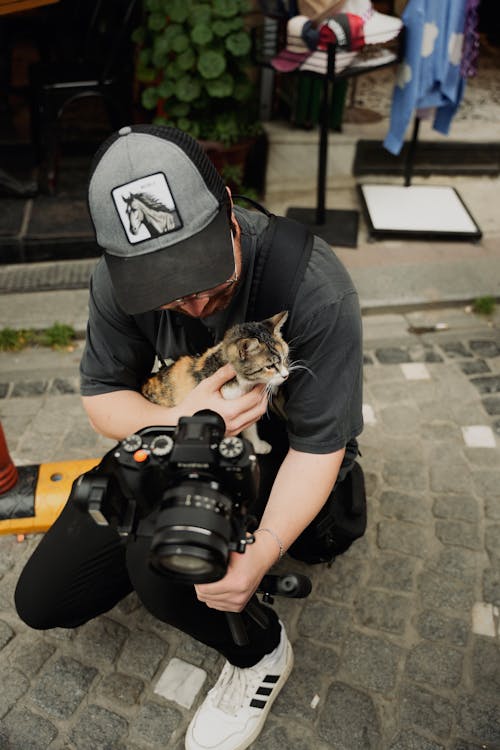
484 305
58 336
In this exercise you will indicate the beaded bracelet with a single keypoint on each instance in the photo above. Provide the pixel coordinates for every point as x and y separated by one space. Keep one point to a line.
276 539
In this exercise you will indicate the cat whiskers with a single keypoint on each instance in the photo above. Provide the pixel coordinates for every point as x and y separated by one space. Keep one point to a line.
299 365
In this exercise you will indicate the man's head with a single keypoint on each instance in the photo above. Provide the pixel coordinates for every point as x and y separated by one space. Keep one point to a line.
161 213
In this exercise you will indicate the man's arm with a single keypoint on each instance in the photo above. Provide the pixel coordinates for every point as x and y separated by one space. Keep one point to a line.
120 413
301 488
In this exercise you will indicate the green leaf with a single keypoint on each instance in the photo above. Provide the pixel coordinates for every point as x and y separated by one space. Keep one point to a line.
225 8
221 28
239 43
180 43
201 35
149 97
157 21
166 89
211 64
186 60
187 89
178 10
201 14
220 87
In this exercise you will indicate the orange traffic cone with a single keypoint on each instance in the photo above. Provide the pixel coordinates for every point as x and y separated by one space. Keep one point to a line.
8 472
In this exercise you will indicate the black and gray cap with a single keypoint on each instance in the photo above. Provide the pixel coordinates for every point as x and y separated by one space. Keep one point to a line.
160 213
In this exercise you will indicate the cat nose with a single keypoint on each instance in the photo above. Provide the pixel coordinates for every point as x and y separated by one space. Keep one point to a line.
284 374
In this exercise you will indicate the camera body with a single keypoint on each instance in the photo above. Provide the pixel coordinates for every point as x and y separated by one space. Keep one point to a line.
186 488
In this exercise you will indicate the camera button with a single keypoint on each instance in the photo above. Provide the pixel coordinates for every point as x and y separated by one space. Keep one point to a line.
141 455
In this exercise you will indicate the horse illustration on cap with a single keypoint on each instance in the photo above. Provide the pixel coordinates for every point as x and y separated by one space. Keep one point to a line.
146 209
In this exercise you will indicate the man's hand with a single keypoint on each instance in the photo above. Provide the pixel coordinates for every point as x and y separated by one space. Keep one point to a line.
238 413
244 573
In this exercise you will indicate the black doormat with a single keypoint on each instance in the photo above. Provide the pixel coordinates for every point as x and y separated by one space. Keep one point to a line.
430 158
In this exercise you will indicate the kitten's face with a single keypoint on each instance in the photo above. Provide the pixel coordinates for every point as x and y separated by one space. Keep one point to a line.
258 352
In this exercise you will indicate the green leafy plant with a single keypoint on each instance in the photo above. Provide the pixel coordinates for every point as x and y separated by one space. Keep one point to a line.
194 62
57 336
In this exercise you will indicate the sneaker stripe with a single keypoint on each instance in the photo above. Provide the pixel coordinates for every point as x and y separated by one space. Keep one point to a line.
271 678
257 704
264 691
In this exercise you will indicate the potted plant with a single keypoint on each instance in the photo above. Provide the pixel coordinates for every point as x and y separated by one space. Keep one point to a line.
195 67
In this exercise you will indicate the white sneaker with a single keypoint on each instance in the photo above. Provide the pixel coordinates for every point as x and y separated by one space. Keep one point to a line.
232 715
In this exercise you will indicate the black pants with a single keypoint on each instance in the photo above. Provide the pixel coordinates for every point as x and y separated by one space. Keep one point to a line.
81 570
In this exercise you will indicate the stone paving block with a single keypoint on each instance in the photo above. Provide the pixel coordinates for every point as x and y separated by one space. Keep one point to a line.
412 741
393 572
341 580
486 666
484 348
459 533
120 688
324 621
440 592
409 476
440 431
403 537
155 724
491 585
474 367
450 478
349 720
479 719
370 662
455 350
491 405
98 729
14 685
316 666
142 654
434 626
487 485
487 384
30 654
400 418
6 634
492 539
435 664
464 745
404 507
61 687
479 436
100 639
426 710
461 507
457 563
24 730
277 737
380 610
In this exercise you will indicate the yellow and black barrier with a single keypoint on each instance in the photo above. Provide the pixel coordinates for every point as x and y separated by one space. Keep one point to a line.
31 497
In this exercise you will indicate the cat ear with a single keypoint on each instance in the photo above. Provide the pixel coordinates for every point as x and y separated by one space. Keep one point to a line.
247 346
278 320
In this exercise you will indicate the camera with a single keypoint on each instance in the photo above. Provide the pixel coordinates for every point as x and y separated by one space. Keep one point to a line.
187 489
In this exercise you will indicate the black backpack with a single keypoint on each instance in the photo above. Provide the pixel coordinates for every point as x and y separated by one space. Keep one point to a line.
279 270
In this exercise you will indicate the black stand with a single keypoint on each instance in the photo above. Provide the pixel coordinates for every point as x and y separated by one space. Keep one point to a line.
418 211
292 585
337 227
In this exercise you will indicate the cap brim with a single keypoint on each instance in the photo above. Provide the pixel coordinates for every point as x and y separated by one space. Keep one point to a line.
146 282
286 61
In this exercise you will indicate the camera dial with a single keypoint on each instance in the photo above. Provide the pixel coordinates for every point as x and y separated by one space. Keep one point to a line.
131 443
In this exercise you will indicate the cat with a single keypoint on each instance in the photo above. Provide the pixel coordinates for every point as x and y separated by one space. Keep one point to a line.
256 350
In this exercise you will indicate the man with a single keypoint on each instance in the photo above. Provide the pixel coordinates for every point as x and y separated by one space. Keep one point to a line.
177 271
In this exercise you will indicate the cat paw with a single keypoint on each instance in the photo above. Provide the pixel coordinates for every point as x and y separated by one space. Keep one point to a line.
262 447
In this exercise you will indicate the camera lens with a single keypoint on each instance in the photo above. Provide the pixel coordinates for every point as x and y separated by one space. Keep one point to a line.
192 533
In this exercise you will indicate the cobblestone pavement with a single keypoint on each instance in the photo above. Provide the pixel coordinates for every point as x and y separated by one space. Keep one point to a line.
398 646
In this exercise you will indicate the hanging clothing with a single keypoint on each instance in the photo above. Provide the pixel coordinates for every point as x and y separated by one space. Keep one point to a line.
430 74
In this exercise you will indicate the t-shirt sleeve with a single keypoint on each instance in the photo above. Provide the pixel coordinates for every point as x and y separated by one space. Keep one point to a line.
324 391
116 356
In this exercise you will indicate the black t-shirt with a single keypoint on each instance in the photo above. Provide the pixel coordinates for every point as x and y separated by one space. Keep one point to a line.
323 393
